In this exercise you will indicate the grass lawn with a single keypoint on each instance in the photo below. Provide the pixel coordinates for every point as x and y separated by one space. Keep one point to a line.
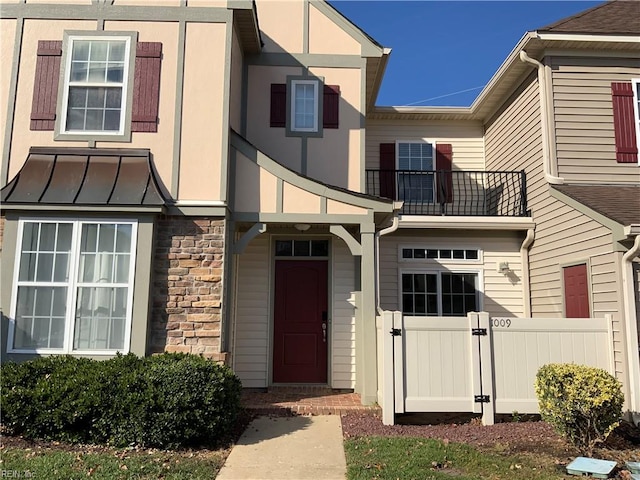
109 464
427 459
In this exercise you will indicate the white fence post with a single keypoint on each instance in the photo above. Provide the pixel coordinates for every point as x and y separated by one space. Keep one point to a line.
486 363
474 345
388 390
398 360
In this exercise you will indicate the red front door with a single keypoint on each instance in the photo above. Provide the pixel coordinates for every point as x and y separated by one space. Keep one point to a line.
576 291
300 342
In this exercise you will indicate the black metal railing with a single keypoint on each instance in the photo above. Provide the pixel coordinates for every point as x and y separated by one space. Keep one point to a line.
446 192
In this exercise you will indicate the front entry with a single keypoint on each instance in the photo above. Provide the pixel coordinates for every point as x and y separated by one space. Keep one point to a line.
300 322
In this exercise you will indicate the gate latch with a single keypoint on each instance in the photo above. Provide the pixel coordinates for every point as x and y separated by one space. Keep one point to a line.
479 331
481 398
395 332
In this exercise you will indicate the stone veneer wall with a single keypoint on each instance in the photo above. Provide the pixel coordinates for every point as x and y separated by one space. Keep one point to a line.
187 286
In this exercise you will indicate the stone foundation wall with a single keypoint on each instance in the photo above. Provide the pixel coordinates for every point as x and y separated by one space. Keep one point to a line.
187 286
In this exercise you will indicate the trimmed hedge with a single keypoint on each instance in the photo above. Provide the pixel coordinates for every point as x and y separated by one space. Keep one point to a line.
584 404
165 401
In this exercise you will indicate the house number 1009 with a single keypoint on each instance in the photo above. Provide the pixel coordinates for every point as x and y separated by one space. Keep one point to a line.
501 322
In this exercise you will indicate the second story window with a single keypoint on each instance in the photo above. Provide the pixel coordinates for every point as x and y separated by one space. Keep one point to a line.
304 105
418 159
95 85
96 82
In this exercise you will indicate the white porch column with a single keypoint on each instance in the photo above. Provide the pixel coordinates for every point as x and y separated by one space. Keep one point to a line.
367 334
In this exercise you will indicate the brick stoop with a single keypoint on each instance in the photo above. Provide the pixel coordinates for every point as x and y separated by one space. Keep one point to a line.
305 400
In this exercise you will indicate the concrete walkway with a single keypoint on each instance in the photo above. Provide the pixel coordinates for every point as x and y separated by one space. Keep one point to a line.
279 448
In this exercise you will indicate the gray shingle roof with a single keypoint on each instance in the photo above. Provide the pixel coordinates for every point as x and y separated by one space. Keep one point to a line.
620 203
617 17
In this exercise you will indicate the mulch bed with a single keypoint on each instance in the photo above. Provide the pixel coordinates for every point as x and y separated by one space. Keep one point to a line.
512 437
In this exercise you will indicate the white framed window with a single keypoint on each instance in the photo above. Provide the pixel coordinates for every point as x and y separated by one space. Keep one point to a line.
73 286
636 110
472 255
96 84
304 105
436 293
418 158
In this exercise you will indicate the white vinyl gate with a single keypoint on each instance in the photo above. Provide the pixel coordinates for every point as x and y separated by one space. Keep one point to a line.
478 364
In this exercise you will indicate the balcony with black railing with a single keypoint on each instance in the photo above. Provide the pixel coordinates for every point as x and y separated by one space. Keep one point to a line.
446 192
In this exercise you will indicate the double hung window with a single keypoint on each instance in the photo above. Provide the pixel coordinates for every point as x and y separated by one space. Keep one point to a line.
74 286
304 105
416 172
96 84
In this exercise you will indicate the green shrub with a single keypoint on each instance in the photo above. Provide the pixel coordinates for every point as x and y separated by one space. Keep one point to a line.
584 404
169 400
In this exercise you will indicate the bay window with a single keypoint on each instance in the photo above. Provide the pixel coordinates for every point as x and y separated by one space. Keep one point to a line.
74 286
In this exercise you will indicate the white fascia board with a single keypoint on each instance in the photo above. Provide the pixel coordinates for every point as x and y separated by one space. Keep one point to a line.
572 37
466 222
632 230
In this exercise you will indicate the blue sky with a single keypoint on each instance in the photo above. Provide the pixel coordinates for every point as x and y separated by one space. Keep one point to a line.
444 47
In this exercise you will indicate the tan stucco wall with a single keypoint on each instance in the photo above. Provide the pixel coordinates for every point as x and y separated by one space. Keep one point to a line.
160 144
203 117
207 3
334 207
273 16
272 141
327 37
235 97
23 138
201 151
296 200
255 188
78 2
167 3
7 39
335 158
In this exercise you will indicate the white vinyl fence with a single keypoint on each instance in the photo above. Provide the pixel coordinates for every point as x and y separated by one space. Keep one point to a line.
478 364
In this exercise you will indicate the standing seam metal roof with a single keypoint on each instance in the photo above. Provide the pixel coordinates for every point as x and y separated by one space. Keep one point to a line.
74 176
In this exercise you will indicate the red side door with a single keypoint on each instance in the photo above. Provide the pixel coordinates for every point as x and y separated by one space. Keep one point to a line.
300 313
576 291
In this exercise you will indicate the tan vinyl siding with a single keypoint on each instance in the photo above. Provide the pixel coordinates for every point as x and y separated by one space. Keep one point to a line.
563 235
502 293
465 138
343 329
583 116
252 335
254 307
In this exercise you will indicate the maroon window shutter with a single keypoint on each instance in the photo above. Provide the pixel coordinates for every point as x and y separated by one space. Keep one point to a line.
146 87
388 170
45 87
444 177
278 105
331 106
624 122
576 291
